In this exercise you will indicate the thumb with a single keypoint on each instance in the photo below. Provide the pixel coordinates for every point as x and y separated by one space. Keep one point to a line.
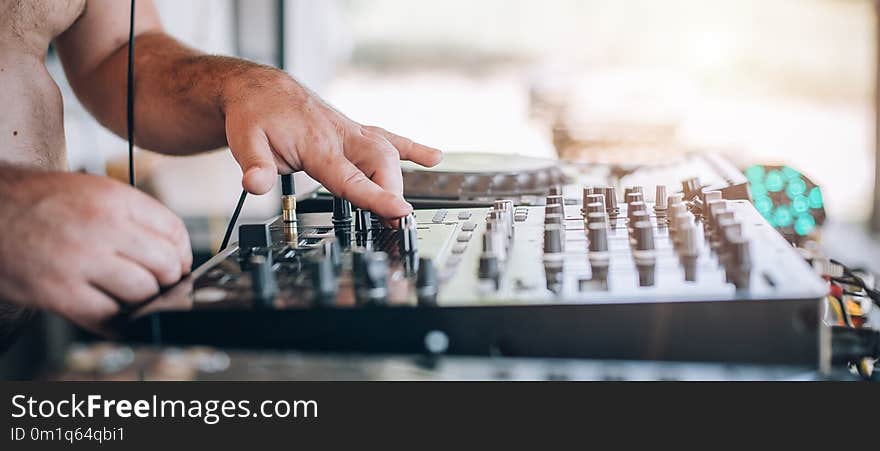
254 154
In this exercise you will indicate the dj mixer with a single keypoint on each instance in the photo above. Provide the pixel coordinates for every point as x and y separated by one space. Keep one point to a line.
621 272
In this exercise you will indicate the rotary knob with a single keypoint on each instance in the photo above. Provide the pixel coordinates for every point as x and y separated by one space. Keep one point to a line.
643 233
635 207
597 218
661 201
554 209
592 199
263 285
739 263
555 200
598 236
408 236
674 199
691 188
371 285
611 206
554 240
689 250
427 282
634 197
341 212
596 207
554 219
688 241
332 252
363 221
323 279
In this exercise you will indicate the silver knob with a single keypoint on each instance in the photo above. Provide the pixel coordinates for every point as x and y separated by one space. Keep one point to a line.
554 219
596 207
554 239
634 197
597 218
598 235
661 200
689 241
611 206
636 206
644 236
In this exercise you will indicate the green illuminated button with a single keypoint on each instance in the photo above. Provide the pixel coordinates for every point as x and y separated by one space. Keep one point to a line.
815 197
796 187
758 189
790 174
804 225
800 205
775 181
755 174
764 205
783 216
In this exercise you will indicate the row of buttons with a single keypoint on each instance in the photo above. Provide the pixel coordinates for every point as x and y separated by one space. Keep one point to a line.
440 216
462 241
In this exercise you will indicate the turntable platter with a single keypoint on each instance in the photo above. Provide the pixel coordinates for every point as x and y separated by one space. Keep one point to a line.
468 176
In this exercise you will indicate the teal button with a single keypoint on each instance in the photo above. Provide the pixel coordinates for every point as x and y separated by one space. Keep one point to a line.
796 187
764 205
816 199
758 190
804 225
783 216
755 174
800 205
775 181
790 174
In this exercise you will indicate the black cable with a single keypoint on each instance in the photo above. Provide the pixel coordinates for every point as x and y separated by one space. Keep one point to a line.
233 220
130 97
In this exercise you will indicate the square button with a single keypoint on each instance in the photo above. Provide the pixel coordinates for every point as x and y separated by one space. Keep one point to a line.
469 226
465 215
465 237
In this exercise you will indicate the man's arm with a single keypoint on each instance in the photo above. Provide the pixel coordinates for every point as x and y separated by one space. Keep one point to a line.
188 102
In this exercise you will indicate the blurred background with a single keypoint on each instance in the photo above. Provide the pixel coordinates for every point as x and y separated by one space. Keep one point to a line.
761 81
771 82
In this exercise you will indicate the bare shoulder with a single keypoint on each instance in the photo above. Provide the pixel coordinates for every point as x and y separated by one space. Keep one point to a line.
32 24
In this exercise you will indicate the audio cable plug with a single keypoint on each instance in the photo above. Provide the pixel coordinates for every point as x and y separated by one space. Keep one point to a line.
288 208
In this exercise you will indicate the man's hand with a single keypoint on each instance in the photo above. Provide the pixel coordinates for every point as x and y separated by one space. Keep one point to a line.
275 125
187 102
85 246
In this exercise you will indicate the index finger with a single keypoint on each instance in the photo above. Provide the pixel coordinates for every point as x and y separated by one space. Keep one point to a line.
344 179
410 150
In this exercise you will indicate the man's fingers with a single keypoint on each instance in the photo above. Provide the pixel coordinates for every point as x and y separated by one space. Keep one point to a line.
253 153
125 280
88 307
157 218
344 179
409 150
155 254
380 162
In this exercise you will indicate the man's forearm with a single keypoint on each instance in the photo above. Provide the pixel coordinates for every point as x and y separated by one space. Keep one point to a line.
180 93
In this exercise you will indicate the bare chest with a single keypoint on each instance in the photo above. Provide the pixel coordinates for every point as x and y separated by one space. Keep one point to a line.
35 23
